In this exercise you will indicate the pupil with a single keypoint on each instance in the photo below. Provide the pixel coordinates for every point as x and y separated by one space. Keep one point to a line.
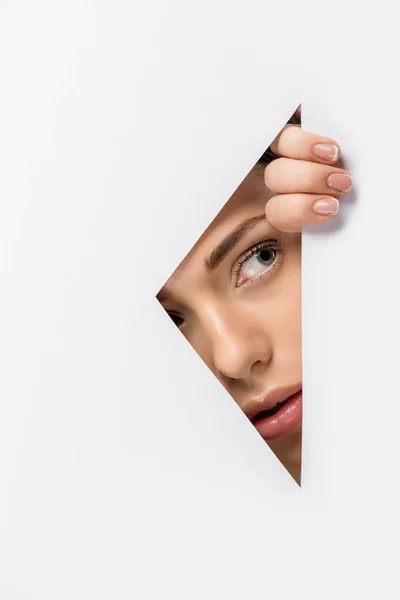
266 254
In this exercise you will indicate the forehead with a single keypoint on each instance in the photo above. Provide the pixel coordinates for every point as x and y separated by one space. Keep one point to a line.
247 201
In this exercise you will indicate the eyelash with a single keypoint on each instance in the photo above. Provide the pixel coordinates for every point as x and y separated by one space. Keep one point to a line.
275 244
173 316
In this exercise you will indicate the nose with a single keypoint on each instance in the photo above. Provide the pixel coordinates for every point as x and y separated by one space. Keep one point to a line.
240 344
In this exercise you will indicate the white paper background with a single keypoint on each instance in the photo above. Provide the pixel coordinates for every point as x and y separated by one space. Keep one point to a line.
126 471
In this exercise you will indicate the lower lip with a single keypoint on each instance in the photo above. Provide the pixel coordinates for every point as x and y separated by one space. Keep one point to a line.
284 421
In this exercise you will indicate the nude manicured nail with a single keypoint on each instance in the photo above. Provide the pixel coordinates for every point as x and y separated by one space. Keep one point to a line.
327 207
340 181
326 152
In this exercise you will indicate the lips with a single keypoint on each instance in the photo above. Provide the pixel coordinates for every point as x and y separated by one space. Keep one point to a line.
278 413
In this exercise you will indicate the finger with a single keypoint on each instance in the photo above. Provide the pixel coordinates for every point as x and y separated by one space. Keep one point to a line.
291 212
288 176
294 142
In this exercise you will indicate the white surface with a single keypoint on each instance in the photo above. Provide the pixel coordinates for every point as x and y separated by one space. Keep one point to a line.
126 471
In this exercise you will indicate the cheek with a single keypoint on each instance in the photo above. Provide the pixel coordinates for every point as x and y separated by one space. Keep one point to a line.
288 327
280 308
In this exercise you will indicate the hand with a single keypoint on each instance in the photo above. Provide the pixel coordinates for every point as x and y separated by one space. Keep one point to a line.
306 182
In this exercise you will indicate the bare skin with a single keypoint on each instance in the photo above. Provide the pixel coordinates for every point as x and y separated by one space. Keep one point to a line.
236 296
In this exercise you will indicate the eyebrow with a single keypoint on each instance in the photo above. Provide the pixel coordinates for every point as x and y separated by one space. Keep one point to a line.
228 243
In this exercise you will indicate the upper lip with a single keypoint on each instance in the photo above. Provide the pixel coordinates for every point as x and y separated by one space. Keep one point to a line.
270 399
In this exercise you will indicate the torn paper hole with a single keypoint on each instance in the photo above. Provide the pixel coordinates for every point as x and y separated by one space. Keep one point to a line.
236 297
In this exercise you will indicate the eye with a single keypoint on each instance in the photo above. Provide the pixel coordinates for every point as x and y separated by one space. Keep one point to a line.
257 262
178 320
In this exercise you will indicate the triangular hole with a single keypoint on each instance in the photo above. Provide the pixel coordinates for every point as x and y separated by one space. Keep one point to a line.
236 297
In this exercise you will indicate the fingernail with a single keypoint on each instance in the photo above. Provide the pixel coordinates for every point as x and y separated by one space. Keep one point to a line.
340 181
327 207
326 152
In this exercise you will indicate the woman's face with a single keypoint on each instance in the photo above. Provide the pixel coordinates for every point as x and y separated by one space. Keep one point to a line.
236 297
